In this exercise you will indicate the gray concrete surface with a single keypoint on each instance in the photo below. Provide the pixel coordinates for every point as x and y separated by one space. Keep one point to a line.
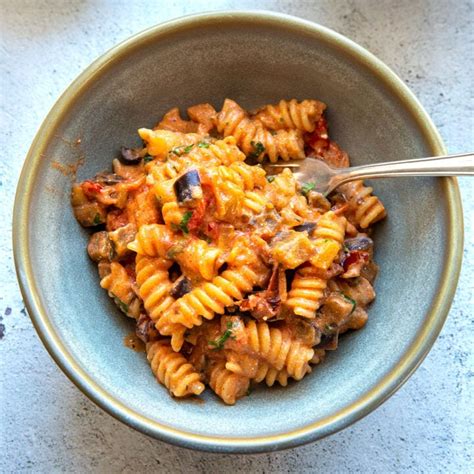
47 425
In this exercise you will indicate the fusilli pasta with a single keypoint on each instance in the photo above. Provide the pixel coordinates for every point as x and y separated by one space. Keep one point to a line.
233 277
173 370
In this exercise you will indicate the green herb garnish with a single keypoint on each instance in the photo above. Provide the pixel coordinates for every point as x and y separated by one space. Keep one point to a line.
203 145
348 298
97 219
147 158
270 179
258 149
173 251
205 237
273 133
183 225
330 328
218 344
181 150
307 187
122 305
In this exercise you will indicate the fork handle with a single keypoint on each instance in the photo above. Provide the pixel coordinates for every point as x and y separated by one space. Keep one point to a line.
448 165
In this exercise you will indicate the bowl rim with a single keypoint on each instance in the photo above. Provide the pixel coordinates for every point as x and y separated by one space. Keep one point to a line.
349 414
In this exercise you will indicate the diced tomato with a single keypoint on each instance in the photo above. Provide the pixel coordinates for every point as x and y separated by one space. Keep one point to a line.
354 257
212 230
90 188
196 221
318 140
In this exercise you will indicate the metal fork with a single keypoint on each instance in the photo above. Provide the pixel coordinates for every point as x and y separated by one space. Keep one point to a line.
326 179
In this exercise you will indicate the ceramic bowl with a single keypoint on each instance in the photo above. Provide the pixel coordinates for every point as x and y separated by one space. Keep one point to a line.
254 58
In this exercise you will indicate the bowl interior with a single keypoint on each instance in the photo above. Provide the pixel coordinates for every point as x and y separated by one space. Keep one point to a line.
253 63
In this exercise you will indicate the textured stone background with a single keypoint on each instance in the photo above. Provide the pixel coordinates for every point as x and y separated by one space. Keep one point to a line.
47 425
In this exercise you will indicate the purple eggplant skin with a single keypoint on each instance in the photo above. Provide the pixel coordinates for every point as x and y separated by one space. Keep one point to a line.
188 187
306 227
358 243
181 287
130 156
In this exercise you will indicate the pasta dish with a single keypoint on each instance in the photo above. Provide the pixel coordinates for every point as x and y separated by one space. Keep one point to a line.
233 276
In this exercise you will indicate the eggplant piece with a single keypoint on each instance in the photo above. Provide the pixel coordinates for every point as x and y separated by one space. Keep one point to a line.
358 243
145 329
188 187
130 155
181 287
100 247
108 179
329 342
306 227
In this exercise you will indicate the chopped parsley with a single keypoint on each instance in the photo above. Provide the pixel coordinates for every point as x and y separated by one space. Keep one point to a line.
183 225
122 305
218 344
258 149
147 158
173 251
330 328
270 179
205 237
203 145
306 188
181 150
273 133
348 298
97 220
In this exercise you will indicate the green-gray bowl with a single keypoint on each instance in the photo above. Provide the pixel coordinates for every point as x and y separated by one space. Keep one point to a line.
254 58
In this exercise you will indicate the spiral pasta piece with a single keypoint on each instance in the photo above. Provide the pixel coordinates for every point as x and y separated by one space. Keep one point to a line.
173 370
330 226
366 207
255 203
245 176
227 385
160 142
291 114
254 139
280 376
154 288
197 257
152 240
329 235
277 349
119 287
172 213
154 285
176 331
223 152
257 370
213 297
307 290
164 170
